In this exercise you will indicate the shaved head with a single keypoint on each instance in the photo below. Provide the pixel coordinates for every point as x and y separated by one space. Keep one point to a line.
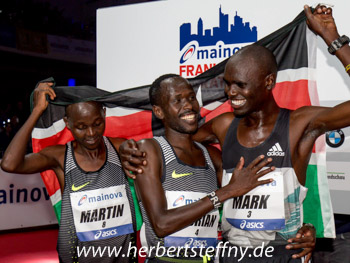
261 56
76 106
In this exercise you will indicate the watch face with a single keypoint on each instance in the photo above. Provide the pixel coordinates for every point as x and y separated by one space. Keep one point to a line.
337 44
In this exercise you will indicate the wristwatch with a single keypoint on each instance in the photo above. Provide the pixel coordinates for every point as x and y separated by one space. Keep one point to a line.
338 43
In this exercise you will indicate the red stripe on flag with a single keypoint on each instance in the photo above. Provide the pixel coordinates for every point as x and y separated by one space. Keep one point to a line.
49 177
137 126
61 137
210 114
292 95
50 181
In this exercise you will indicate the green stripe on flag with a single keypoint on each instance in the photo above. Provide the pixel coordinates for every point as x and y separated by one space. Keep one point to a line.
312 203
57 209
138 214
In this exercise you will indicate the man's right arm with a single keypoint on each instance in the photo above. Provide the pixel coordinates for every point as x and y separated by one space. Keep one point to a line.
15 159
151 192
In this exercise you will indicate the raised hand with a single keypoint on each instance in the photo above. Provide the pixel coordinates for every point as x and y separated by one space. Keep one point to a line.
40 93
321 22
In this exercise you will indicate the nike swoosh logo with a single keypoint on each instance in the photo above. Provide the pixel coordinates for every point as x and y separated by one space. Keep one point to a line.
77 188
175 175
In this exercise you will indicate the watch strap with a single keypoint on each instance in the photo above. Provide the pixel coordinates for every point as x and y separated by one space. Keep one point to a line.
338 43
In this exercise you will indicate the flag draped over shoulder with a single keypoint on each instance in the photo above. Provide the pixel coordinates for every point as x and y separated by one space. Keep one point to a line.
129 115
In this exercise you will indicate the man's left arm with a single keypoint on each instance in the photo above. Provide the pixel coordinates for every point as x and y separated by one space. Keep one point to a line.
327 119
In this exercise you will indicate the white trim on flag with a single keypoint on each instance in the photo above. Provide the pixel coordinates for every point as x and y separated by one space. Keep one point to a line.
316 157
312 54
42 133
213 105
56 197
296 74
199 96
120 111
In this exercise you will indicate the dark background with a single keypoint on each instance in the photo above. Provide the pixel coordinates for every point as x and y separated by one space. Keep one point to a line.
20 72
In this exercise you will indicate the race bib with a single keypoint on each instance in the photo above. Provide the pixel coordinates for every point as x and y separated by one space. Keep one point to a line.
260 209
202 233
101 213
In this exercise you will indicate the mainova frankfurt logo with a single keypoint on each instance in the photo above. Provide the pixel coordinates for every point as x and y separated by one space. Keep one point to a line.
335 138
179 200
209 46
82 200
188 53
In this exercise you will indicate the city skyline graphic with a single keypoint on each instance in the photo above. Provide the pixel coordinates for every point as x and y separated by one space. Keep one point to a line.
237 32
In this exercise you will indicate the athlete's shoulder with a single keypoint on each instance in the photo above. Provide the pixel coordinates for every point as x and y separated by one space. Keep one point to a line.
222 122
221 125
53 151
226 117
148 145
52 156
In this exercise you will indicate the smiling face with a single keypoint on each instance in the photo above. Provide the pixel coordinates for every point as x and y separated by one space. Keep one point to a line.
248 83
86 121
179 108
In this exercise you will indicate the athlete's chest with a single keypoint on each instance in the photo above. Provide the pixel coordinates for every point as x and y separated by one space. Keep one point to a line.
253 136
273 144
194 158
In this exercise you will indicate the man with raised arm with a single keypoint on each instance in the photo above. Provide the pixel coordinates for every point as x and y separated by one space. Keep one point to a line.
97 206
259 126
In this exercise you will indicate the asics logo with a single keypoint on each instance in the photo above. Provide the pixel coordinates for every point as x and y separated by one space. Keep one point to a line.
275 150
77 188
175 175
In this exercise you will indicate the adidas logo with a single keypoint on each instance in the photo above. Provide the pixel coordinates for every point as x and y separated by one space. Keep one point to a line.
276 150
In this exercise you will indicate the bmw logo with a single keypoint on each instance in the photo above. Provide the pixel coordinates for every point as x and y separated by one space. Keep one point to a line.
335 138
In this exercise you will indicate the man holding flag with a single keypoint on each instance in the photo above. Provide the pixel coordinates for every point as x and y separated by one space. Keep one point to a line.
98 216
259 126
